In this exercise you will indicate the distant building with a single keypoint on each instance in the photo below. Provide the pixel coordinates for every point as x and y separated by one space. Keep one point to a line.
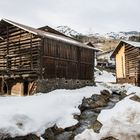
95 53
127 56
135 38
104 60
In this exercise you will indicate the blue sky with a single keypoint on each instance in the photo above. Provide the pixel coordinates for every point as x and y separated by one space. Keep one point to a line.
82 15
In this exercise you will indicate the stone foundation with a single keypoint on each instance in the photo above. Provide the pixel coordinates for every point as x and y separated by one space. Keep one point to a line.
47 85
23 87
129 80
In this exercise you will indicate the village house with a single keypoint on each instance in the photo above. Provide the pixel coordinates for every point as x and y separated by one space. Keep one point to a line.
104 59
40 60
127 56
95 53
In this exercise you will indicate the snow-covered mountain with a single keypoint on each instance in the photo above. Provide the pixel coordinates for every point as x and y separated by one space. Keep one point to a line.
121 35
117 35
68 31
111 35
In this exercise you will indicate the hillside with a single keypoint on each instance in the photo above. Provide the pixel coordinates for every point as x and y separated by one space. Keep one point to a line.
105 41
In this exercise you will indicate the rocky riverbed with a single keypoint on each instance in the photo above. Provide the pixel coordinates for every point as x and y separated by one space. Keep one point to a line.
90 109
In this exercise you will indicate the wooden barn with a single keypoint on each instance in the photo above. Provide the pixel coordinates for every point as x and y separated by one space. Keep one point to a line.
39 60
127 57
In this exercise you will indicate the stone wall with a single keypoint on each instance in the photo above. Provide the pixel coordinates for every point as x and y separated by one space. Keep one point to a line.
17 86
46 85
129 80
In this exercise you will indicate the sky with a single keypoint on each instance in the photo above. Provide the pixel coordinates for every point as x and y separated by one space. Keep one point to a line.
84 16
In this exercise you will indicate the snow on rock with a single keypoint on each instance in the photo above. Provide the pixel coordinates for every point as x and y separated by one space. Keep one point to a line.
122 122
20 116
88 134
132 89
41 138
117 88
104 76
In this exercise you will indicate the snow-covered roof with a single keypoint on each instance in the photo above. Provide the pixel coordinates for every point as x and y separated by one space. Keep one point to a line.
105 52
48 34
132 43
92 45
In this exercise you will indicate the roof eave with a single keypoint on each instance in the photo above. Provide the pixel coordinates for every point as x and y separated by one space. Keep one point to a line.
116 50
6 20
45 36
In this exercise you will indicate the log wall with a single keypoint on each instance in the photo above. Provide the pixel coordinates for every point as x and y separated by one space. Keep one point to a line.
132 66
62 60
132 63
19 51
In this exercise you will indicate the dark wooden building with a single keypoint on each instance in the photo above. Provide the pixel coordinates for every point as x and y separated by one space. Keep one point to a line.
127 57
39 60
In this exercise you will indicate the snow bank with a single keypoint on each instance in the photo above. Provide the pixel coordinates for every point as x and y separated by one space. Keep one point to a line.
104 76
33 114
121 122
128 89
132 89
88 134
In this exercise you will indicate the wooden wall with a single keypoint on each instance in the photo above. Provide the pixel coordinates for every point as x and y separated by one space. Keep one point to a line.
19 51
132 66
120 63
62 60
132 62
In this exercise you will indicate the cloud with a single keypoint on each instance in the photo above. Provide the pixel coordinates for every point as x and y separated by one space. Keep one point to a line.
82 15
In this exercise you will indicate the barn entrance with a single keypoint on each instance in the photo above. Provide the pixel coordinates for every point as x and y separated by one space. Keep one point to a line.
25 88
5 89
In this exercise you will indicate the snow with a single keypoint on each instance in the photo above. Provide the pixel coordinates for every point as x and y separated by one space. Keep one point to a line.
33 114
67 31
104 76
133 43
20 116
131 89
88 134
120 35
41 138
121 122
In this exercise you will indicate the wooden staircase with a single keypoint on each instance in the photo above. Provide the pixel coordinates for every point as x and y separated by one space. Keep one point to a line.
33 88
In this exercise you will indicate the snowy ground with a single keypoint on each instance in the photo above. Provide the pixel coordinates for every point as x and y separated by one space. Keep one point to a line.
122 121
33 114
104 76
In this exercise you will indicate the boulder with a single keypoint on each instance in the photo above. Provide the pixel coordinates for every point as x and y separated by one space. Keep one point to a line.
135 98
97 126
105 93
65 136
28 137
49 135
109 138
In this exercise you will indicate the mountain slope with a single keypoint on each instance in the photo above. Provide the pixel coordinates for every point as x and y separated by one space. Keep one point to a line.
105 41
111 35
67 31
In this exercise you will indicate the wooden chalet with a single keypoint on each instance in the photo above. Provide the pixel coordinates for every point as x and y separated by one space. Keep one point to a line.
127 57
39 60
